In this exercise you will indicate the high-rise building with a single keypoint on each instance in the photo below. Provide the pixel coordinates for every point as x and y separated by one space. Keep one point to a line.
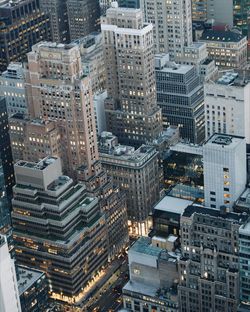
137 173
227 105
132 113
57 227
241 15
244 262
23 24
180 95
9 296
57 90
83 17
209 268
231 41
13 90
57 11
135 4
5 149
172 22
225 176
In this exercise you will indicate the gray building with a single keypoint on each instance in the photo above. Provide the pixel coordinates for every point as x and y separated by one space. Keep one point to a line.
57 11
135 4
181 98
83 17
138 175
209 268
57 227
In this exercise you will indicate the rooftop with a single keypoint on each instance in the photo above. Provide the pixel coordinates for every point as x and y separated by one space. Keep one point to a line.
41 165
173 204
143 245
27 277
224 140
221 36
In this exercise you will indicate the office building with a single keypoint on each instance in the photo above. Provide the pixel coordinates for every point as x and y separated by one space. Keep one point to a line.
243 202
13 90
57 228
33 139
5 149
181 98
166 216
23 24
83 17
58 90
172 22
9 296
227 105
227 48
33 289
225 176
241 15
153 278
131 110
57 11
209 268
137 173
93 65
100 117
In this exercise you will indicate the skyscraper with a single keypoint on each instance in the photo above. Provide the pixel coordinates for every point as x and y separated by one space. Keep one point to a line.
57 11
132 113
9 296
58 227
84 17
225 177
172 22
23 24
181 98
241 15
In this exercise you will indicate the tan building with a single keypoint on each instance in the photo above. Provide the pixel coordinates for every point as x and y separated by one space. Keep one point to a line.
137 173
227 48
132 113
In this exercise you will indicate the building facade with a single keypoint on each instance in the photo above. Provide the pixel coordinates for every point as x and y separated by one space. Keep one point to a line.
9 296
83 17
23 25
227 105
224 157
132 113
137 173
241 15
57 227
181 98
227 48
57 11
172 22
209 268
13 90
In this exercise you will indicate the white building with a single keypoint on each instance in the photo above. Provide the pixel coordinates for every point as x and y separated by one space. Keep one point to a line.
227 106
9 296
12 88
225 176
172 22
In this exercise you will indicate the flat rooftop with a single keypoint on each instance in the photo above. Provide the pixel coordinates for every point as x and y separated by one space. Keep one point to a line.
224 140
174 68
41 165
173 204
27 277
143 245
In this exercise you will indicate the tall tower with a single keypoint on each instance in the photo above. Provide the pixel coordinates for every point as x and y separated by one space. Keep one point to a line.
172 22
84 17
132 113
56 90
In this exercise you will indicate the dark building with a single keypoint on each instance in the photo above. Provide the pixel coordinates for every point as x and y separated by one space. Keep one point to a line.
181 98
135 4
84 17
22 24
241 15
57 11
33 289
5 150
